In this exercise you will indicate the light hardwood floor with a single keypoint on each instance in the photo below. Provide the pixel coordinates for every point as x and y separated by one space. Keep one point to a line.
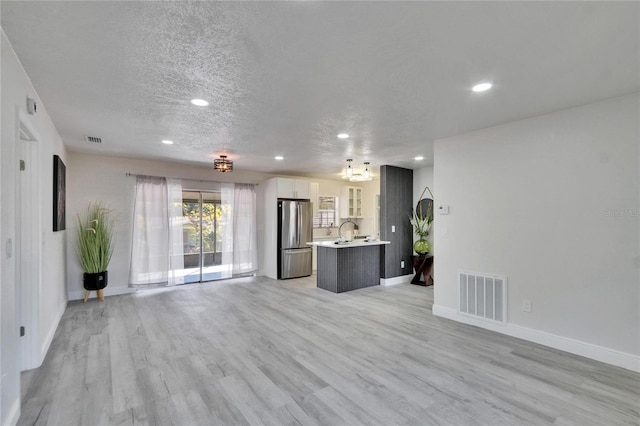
259 351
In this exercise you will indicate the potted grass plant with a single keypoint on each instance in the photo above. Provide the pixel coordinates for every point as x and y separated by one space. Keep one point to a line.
95 247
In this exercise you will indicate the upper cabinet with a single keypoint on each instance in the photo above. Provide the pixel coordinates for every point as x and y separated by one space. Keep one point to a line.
313 196
293 188
351 202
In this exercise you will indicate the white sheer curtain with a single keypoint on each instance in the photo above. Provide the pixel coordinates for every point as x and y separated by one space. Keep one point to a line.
245 251
157 249
239 236
226 207
176 244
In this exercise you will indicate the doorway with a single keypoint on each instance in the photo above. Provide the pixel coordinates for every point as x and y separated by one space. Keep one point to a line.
203 230
27 243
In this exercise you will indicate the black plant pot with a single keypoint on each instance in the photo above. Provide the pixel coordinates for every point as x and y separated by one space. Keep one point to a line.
96 281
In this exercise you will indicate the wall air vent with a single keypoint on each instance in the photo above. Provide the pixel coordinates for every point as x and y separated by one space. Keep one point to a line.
25 134
483 296
93 139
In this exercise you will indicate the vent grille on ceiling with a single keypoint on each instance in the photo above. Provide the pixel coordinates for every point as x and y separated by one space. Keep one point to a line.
93 139
483 295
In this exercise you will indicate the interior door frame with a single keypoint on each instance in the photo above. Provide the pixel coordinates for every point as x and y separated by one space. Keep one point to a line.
28 247
201 263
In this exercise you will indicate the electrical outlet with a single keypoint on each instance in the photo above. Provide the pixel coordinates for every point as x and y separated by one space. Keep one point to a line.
526 305
402 264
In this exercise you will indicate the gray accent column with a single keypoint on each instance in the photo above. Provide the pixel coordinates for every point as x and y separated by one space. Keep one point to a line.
396 204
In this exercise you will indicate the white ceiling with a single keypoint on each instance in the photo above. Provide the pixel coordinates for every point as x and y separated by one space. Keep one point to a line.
286 77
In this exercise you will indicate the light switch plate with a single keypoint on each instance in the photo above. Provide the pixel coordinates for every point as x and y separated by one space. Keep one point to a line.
9 248
393 228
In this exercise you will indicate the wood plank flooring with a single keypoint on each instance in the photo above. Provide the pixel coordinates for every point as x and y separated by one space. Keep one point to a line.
258 351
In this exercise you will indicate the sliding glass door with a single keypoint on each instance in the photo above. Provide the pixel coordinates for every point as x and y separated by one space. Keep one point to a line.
202 235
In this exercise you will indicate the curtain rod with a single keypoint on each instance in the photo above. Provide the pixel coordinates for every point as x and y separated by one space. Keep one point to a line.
181 178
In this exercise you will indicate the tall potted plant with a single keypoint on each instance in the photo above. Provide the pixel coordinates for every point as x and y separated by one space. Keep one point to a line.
422 219
95 247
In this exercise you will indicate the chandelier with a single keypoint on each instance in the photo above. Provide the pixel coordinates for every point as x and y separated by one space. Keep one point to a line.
222 164
355 175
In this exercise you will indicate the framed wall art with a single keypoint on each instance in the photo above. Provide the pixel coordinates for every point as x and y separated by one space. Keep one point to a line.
59 194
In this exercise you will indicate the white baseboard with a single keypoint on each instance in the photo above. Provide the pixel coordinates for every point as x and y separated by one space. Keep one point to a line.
49 337
577 347
14 413
402 279
109 291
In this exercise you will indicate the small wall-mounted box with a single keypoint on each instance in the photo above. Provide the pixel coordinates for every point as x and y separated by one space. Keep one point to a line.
443 209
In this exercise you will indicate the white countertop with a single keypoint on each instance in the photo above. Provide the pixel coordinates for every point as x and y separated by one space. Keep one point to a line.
354 243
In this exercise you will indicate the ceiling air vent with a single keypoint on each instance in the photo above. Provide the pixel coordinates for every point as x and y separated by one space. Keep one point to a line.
93 139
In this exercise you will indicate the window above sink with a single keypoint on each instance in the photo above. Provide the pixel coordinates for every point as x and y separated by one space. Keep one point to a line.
326 215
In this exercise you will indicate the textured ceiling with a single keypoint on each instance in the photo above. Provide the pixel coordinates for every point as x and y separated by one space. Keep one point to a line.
286 77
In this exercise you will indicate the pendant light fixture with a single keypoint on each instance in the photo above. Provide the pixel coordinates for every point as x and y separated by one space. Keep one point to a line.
354 175
222 164
349 171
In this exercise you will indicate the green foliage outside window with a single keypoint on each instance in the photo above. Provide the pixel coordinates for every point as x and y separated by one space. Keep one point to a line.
212 225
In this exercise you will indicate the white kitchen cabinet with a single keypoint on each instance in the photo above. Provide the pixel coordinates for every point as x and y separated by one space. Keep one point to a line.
313 196
302 188
351 202
315 249
293 188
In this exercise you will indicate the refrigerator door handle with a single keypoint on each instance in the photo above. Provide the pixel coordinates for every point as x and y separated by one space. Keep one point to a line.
299 222
297 251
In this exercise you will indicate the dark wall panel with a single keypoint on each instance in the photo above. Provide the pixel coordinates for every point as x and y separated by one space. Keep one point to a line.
396 203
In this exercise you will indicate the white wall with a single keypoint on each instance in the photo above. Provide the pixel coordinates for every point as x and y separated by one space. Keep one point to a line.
369 190
552 203
51 293
2 255
423 177
92 178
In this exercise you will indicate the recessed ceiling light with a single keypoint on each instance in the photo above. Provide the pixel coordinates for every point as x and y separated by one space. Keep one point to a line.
199 102
419 158
482 87
167 142
279 157
343 136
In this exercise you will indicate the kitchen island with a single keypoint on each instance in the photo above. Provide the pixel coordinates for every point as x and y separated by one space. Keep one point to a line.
348 266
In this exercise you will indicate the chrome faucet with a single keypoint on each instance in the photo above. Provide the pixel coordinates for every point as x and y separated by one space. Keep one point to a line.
355 228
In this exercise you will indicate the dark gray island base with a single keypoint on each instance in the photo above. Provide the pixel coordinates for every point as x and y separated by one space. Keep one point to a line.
348 268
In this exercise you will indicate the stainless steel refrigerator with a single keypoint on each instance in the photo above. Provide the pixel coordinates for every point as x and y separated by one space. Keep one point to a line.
295 230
